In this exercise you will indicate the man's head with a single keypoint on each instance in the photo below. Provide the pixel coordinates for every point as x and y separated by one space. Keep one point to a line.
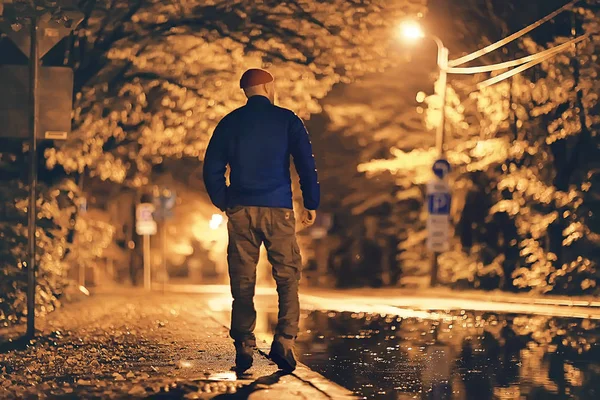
258 82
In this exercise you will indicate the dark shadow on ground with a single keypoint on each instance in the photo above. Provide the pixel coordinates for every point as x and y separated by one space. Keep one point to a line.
18 343
244 392
259 384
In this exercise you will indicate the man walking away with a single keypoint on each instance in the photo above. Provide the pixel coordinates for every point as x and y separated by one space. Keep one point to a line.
256 142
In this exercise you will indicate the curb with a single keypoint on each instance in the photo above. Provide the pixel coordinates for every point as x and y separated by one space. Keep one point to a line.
303 373
411 304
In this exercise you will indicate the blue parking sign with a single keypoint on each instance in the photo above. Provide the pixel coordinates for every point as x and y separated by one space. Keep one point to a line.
441 168
439 200
439 203
165 203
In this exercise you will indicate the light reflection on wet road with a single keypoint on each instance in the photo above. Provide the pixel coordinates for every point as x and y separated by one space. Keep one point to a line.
471 355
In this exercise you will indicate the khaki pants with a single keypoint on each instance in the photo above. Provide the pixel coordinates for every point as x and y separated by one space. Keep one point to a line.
249 227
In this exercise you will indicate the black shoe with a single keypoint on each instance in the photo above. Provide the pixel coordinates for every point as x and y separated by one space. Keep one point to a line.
244 352
282 354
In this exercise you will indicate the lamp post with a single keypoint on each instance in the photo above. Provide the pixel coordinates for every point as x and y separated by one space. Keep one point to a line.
438 193
442 62
412 31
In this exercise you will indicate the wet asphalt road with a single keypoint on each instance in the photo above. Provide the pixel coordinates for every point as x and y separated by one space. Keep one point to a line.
468 356
450 355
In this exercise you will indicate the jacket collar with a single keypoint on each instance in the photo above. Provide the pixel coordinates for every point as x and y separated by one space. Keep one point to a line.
258 99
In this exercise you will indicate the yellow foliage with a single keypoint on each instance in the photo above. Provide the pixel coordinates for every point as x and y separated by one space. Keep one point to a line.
175 73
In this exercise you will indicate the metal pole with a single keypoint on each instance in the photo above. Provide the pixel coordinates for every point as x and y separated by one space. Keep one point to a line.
147 272
82 274
440 133
443 67
32 212
164 249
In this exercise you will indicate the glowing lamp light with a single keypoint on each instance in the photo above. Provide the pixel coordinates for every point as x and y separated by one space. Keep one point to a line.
84 290
410 30
216 221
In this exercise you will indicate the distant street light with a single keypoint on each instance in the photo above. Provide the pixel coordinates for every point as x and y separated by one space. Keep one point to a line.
215 222
412 31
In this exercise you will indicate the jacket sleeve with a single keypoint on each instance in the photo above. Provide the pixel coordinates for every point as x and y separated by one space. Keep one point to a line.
215 166
301 150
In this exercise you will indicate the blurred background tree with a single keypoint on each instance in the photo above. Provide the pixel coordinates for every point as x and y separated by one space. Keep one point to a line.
152 78
524 153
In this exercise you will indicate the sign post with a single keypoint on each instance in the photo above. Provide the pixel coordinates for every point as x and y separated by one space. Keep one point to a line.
47 25
34 63
81 204
164 203
318 231
146 226
438 222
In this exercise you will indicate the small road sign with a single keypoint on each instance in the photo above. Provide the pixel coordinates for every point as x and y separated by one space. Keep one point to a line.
145 223
55 102
50 30
441 168
438 221
439 203
165 204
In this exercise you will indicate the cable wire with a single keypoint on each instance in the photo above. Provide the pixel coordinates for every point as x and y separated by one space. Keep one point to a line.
514 63
522 68
516 35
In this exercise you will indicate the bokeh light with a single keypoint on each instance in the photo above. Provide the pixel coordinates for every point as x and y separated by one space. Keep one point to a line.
410 30
216 221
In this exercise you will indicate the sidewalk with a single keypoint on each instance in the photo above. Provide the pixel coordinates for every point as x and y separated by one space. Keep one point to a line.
136 345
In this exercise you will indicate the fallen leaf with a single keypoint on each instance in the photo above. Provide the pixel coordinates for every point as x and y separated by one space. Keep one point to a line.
118 377
137 390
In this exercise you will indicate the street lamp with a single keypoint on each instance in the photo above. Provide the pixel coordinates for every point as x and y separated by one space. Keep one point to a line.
438 190
412 31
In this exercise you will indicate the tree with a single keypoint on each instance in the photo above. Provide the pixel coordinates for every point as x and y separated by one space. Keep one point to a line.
533 140
152 78
64 238
159 76
564 100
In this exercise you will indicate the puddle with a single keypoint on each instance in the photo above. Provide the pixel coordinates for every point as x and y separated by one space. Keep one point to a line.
465 355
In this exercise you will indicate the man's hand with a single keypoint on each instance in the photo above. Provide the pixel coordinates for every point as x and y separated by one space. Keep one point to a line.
308 217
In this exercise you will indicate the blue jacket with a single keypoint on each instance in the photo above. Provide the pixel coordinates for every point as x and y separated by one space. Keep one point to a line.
256 141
